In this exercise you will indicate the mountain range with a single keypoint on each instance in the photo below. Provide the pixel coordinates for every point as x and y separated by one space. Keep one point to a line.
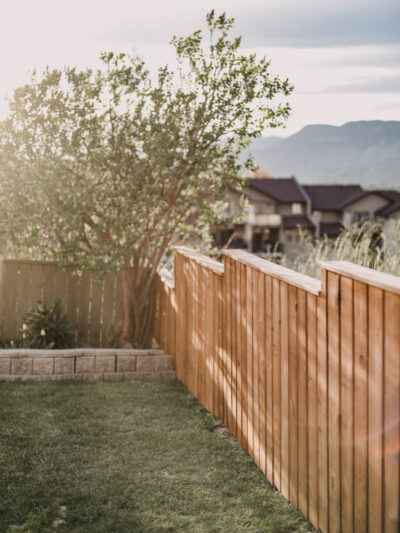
364 152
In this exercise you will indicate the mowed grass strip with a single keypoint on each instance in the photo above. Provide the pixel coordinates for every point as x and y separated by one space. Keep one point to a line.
133 456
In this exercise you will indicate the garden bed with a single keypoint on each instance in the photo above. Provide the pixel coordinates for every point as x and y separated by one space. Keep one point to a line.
84 364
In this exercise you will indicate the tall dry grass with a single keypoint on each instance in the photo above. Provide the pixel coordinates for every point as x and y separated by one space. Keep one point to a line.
369 245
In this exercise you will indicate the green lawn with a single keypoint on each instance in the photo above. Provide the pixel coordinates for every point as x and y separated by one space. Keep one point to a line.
133 456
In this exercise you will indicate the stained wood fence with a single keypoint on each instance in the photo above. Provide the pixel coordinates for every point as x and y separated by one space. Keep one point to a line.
305 374
91 306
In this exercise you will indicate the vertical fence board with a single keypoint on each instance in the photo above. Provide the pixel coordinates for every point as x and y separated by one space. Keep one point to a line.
312 416
243 361
230 417
236 300
249 358
268 359
284 344
262 368
334 402
391 430
302 402
49 283
83 305
233 353
95 313
22 296
360 406
10 304
293 406
346 400
221 347
108 307
375 405
276 381
256 356
322 377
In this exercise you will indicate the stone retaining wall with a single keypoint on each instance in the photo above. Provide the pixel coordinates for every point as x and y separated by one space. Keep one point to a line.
84 364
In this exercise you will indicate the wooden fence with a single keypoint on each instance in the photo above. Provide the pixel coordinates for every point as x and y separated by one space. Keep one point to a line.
91 306
305 374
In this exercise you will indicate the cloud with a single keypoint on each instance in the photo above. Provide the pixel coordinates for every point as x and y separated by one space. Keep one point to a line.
384 84
309 23
388 106
382 57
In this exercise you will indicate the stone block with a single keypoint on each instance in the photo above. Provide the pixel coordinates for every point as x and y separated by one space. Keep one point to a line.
129 375
169 375
105 363
63 365
31 377
148 375
114 376
21 365
5 365
126 363
93 376
43 365
85 364
163 363
67 377
9 377
145 363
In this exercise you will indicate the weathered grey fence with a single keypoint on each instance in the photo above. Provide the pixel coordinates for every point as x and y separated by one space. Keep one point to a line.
91 306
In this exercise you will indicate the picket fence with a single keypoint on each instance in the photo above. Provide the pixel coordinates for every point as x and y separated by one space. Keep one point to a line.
305 374
91 306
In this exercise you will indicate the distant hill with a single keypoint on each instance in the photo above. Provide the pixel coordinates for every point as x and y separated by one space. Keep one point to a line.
365 152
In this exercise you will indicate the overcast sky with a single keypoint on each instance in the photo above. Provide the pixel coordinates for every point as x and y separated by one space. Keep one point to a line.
343 56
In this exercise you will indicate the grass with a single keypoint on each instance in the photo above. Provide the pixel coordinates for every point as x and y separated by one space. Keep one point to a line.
126 457
368 245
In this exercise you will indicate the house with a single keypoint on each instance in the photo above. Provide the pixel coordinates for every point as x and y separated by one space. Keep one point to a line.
278 207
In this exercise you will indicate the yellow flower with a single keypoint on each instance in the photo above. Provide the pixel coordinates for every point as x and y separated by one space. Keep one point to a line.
24 327
23 336
43 333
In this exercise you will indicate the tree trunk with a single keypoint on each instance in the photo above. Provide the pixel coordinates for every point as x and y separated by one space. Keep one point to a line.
134 328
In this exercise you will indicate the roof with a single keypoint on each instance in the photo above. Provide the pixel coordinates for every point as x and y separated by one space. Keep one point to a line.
330 229
394 199
284 190
293 221
333 197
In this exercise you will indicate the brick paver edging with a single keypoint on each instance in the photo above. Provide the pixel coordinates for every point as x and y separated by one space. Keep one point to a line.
84 364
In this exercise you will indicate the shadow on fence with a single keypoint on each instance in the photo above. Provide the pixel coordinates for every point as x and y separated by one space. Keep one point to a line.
305 374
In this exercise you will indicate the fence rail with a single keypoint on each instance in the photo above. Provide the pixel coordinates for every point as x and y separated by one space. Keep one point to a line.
305 374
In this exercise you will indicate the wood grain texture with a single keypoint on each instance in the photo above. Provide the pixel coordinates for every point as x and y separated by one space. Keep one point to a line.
360 407
391 409
334 403
375 408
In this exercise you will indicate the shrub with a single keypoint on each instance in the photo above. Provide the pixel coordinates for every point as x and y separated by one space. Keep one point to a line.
46 326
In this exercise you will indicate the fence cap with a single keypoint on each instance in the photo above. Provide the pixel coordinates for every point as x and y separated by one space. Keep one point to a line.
201 259
287 275
167 277
382 280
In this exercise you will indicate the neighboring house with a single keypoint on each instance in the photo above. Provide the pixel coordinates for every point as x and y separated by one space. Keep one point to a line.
278 207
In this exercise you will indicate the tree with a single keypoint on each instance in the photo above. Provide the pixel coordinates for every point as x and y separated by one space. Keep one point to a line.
105 170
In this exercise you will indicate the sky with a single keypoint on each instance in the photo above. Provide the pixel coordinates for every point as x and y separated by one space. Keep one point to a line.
342 56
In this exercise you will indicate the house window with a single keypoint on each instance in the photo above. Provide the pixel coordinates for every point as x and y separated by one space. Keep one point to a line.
296 209
361 216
